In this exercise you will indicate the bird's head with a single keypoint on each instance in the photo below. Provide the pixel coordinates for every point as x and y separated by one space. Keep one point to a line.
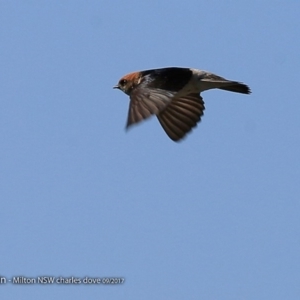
128 82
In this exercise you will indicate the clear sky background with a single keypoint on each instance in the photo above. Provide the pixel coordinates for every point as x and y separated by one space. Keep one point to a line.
213 217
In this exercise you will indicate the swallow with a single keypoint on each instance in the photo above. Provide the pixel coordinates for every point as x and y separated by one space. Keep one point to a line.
173 96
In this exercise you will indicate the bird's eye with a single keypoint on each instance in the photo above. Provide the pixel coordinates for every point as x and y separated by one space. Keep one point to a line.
123 82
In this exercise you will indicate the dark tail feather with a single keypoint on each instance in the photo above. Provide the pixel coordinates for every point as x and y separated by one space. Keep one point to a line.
237 87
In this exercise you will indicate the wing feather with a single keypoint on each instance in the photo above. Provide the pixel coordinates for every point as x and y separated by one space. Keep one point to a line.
145 102
177 116
181 116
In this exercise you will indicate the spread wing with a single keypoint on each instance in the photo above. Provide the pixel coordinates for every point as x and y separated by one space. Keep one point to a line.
145 102
177 116
181 115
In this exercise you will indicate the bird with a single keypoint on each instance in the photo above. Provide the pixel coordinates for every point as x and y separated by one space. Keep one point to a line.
173 95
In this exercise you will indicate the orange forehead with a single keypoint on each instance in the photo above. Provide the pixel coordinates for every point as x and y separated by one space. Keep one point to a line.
132 77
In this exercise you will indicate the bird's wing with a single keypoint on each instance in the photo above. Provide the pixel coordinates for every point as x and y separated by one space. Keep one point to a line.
181 115
145 102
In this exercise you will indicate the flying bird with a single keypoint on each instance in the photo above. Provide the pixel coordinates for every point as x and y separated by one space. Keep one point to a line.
173 95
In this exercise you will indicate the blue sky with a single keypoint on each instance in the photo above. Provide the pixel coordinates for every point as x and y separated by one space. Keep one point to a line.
213 217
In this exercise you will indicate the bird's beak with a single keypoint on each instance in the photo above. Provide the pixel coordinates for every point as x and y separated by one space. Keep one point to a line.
116 87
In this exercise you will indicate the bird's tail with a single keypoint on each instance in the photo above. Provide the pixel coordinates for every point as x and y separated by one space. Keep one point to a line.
236 87
214 81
